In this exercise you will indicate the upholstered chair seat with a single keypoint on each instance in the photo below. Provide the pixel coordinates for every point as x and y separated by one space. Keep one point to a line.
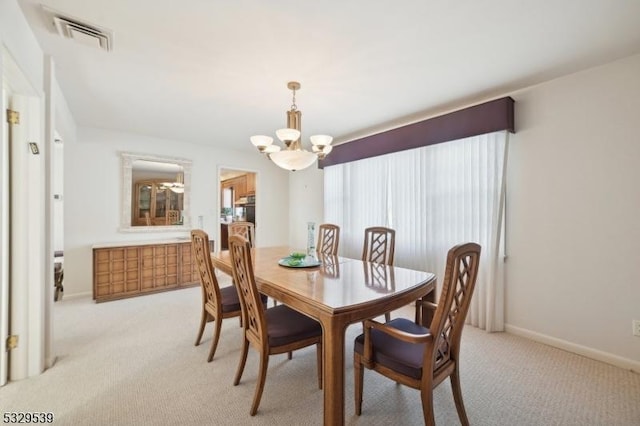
284 326
403 357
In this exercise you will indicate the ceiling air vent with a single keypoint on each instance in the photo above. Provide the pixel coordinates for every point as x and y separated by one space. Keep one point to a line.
75 29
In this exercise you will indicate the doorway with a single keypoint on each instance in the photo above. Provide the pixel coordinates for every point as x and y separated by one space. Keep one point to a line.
237 200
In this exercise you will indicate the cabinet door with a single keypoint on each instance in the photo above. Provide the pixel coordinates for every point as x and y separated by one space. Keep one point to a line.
142 203
116 272
159 267
160 208
188 271
239 187
251 183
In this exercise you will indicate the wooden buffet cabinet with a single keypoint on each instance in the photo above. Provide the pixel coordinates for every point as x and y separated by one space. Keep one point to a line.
123 270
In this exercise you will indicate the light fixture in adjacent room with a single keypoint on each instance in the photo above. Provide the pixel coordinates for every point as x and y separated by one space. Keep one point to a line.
177 186
293 157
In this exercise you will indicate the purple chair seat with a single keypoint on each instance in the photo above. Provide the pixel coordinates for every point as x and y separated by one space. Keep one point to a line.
230 300
403 357
285 325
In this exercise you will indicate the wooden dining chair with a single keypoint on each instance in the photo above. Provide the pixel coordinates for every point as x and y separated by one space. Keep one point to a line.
217 302
379 247
173 217
422 356
270 331
328 239
245 230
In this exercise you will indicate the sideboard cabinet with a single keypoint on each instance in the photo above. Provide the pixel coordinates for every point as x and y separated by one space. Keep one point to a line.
129 270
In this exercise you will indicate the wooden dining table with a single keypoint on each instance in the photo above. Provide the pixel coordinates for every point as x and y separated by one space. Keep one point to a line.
339 292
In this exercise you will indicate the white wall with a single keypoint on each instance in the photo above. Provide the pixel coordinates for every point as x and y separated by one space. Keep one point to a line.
306 204
65 129
93 195
18 39
573 206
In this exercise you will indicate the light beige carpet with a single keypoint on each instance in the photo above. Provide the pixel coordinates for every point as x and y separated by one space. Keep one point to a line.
132 362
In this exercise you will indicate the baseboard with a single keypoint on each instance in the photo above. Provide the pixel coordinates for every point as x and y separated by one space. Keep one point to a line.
50 362
76 295
618 361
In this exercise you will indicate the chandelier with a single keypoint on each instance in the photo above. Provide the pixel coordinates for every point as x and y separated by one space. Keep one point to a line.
293 157
177 186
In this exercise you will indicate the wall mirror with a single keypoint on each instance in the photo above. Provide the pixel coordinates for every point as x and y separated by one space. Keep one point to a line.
156 193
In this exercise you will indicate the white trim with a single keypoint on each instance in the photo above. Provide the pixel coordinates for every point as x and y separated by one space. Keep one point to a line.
48 237
4 226
77 295
618 361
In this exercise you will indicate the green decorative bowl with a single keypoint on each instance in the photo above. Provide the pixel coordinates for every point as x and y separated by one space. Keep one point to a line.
295 262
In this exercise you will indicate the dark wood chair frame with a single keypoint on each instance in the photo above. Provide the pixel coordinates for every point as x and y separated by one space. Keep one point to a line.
254 320
212 309
441 338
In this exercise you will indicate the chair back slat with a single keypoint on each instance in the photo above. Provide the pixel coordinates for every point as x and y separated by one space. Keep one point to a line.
379 245
208 280
328 239
459 282
253 320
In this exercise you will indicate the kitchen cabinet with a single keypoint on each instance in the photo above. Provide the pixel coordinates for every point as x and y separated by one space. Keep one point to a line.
251 183
239 185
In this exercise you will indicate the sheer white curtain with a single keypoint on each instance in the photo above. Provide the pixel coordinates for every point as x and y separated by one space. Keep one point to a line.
434 197
353 196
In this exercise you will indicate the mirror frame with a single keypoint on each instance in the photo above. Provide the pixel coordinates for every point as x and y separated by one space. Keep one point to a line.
127 188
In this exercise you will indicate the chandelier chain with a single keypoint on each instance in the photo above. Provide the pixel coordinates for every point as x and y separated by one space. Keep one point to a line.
294 107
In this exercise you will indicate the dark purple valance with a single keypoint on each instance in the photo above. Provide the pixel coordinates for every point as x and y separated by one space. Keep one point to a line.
488 117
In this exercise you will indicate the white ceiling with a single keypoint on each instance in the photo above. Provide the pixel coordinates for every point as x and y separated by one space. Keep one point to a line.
215 72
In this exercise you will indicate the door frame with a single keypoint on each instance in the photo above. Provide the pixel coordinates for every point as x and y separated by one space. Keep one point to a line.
4 231
24 309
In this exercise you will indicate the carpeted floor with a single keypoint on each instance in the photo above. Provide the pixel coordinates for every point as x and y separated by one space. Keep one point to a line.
132 362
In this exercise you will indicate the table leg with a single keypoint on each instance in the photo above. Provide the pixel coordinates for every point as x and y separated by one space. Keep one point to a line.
425 314
333 371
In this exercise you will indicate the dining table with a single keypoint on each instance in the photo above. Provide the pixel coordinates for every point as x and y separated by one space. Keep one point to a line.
339 291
